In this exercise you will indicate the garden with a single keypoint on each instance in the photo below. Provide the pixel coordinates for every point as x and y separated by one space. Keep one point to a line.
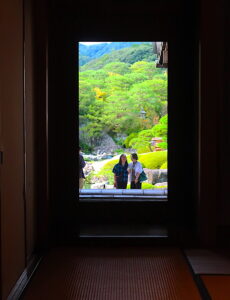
122 109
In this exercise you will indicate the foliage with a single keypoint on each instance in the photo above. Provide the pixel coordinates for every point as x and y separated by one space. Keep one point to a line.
85 147
164 166
163 145
107 169
130 55
153 160
160 187
141 144
144 186
83 60
98 50
161 129
129 138
113 93
117 67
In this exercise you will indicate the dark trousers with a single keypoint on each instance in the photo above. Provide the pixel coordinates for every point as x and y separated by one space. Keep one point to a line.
121 184
135 186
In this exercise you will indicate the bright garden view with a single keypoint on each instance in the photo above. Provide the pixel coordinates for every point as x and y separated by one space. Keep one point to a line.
122 109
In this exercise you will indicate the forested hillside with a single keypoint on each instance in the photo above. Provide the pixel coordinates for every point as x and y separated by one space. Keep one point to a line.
113 94
88 53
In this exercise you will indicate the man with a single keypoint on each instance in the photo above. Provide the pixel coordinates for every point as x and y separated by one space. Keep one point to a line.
81 173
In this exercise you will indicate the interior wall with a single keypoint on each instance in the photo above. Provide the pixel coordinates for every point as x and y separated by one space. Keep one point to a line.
224 137
214 119
29 126
12 169
21 136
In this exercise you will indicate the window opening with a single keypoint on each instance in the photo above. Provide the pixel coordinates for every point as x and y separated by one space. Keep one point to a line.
123 117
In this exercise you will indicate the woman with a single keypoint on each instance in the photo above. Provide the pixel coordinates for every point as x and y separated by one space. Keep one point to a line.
135 169
120 171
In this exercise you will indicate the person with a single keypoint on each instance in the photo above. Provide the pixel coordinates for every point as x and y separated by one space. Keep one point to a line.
120 171
135 169
81 166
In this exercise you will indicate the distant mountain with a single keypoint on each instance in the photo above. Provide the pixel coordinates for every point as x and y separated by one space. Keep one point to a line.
127 55
90 52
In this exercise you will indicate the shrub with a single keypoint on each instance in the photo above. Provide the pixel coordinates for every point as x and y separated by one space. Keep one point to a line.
141 144
143 149
163 145
119 151
107 169
164 166
129 138
153 160
87 149
161 129
118 141
160 187
146 133
144 186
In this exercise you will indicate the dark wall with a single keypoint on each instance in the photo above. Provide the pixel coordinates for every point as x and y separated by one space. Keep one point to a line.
173 22
12 137
214 161
22 94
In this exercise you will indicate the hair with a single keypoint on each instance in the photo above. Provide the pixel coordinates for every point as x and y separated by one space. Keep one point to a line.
134 156
120 162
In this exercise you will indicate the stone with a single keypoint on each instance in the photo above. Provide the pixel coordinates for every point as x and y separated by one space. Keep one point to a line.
156 176
105 144
109 186
98 185
161 184
163 175
88 168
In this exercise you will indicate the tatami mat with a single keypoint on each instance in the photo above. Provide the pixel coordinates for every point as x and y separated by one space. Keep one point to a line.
218 286
208 261
113 274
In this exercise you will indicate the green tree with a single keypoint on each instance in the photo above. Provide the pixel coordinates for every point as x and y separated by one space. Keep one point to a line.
117 67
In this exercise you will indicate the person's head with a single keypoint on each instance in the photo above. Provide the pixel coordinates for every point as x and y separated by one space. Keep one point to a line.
123 159
134 157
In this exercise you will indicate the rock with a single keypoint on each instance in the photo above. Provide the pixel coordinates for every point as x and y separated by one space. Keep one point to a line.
163 175
161 184
99 185
105 144
99 179
156 176
88 168
109 186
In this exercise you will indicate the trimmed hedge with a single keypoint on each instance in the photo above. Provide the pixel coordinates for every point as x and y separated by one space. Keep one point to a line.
165 165
153 160
144 186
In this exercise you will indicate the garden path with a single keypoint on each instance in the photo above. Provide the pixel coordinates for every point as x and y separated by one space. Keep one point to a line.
97 165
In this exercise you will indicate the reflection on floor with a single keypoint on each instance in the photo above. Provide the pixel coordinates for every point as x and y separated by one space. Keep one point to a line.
125 231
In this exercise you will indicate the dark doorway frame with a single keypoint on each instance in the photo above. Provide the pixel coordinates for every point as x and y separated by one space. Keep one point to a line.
67 27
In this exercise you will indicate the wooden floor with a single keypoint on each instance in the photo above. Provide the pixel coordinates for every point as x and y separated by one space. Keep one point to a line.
129 273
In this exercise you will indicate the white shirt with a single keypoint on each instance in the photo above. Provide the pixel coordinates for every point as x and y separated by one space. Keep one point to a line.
137 168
